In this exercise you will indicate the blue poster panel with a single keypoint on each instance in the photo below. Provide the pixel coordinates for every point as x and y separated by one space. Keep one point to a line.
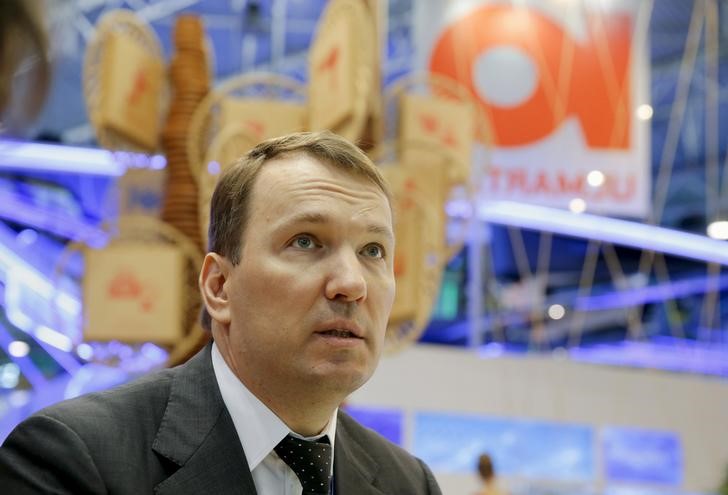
635 455
520 448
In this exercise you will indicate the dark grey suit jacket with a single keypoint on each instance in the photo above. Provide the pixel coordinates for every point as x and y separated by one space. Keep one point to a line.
170 433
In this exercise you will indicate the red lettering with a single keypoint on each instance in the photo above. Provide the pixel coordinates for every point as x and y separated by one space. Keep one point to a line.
573 186
399 264
124 285
429 123
541 185
495 175
140 86
147 305
329 63
450 140
624 193
406 201
257 128
560 183
516 180
147 299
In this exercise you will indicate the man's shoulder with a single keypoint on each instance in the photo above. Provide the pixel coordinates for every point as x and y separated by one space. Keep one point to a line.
90 443
397 471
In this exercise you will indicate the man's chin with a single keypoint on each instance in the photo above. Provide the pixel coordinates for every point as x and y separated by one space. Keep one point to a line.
341 379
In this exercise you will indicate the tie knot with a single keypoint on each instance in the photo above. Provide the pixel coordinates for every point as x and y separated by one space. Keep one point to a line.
311 461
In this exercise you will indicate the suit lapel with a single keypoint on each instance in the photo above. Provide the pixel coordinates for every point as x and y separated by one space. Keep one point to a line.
197 434
354 469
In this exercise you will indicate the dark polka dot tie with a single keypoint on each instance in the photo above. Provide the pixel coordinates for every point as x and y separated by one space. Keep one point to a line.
311 461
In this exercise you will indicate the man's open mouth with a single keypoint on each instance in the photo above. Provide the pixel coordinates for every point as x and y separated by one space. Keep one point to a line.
342 334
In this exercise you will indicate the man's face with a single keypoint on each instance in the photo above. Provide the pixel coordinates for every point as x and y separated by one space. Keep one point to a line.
311 296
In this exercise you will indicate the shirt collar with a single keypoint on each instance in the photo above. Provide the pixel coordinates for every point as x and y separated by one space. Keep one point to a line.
258 428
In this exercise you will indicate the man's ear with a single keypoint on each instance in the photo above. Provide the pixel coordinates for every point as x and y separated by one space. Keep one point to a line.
214 273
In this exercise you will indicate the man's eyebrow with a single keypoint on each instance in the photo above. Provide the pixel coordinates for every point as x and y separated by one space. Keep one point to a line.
308 217
312 217
380 230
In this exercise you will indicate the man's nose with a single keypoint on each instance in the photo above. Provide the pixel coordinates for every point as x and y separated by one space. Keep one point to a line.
346 278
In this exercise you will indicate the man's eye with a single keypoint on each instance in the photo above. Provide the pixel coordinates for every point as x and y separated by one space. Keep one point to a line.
373 251
303 242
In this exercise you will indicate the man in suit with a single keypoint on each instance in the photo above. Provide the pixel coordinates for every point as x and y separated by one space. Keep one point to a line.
297 287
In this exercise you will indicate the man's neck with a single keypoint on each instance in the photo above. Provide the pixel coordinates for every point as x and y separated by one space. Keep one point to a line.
304 413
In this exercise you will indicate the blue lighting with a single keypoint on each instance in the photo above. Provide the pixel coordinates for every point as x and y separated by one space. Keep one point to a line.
666 353
621 232
386 422
213 168
642 456
26 237
26 156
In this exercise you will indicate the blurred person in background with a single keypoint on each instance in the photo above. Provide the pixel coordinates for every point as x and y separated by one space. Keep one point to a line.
486 472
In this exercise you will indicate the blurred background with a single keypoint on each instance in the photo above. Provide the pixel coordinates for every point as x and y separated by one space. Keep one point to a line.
579 330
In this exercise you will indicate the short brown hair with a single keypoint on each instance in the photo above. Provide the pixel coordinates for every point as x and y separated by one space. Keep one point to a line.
485 467
231 199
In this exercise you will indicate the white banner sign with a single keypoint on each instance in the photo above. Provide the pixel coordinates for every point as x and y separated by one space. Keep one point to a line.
562 86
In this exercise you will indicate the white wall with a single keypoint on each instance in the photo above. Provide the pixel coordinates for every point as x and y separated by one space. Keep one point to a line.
442 379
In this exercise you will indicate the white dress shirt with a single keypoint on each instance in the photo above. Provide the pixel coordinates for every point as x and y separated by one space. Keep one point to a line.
260 430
